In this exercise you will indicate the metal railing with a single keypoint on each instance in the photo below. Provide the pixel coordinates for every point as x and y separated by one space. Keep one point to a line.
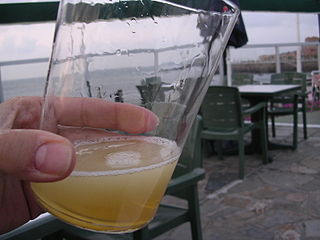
15 63
155 53
230 63
276 58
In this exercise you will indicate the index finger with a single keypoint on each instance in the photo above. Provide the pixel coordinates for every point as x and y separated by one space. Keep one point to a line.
98 113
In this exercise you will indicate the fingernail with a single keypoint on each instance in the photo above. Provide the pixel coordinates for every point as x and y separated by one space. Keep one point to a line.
152 121
53 158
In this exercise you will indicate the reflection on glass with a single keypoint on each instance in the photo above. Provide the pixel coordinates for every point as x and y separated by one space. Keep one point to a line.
154 54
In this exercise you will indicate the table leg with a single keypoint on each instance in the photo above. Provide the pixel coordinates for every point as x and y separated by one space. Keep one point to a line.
256 134
257 117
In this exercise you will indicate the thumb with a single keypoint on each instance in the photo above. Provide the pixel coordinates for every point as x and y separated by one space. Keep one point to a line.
35 155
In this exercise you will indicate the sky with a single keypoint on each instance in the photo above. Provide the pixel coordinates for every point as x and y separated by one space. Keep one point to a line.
267 27
27 41
270 28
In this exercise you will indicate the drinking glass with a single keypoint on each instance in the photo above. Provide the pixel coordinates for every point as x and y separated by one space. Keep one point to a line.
155 55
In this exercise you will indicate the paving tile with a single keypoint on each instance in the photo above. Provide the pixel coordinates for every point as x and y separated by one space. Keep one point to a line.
257 232
312 185
311 163
277 201
284 179
289 231
297 197
312 228
312 205
236 201
267 192
271 218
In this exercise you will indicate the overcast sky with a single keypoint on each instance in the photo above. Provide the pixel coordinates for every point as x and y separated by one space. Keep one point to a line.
267 27
34 40
31 41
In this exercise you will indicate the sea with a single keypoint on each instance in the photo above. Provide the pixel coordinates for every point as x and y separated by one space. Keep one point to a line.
23 87
105 82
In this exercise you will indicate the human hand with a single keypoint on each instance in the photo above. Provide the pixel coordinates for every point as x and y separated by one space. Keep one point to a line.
28 154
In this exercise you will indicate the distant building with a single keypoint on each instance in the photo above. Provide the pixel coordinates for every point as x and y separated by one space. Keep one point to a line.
288 56
267 58
307 52
310 52
266 63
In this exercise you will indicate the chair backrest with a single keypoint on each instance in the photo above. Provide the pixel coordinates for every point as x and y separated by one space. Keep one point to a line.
290 78
191 156
301 79
280 78
150 93
221 108
151 90
170 115
242 79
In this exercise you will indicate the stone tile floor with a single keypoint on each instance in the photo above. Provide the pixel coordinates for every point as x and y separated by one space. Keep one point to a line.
278 201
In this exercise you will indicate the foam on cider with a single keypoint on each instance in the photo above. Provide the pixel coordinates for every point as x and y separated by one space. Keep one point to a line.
169 152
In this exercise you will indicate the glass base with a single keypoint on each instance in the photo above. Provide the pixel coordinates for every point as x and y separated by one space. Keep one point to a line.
91 225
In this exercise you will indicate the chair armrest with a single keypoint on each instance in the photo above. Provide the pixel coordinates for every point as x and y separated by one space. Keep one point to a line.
35 229
253 109
303 94
186 180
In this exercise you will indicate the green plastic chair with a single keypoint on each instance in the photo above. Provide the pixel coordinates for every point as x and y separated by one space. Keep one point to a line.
239 79
184 185
290 104
223 119
150 93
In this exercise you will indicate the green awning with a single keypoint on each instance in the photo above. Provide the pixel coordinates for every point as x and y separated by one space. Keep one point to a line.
28 12
311 6
47 11
303 6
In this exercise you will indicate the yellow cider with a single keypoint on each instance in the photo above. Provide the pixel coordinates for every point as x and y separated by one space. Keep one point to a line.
116 186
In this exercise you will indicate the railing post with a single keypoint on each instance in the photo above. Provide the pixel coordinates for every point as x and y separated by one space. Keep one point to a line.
1 89
221 71
318 56
156 62
299 65
229 67
278 63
